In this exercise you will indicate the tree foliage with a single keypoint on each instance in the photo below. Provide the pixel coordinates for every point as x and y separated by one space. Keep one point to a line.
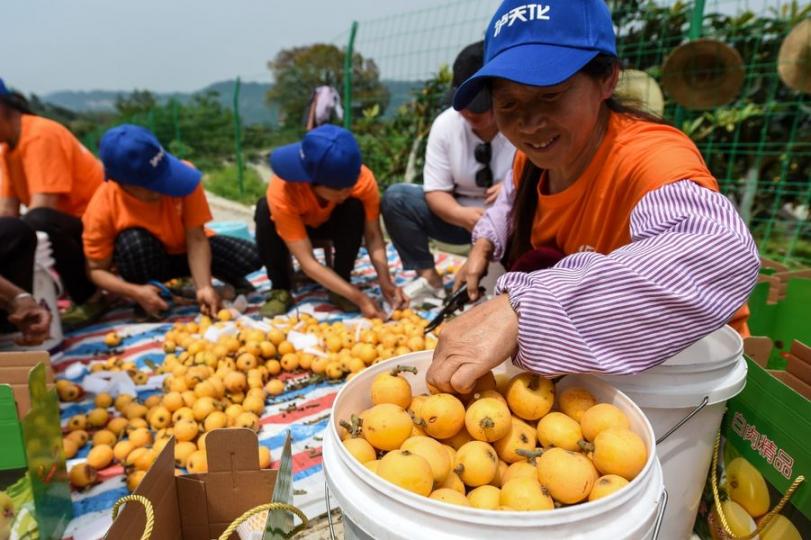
299 70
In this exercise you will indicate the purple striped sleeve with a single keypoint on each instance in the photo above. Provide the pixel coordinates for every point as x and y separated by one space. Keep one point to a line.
494 223
691 264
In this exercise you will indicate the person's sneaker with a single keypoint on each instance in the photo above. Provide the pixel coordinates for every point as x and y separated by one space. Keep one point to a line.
419 291
278 302
77 316
341 302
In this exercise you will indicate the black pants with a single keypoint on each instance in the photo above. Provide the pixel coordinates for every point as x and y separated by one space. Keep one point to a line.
18 243
344 228
65 234
141 257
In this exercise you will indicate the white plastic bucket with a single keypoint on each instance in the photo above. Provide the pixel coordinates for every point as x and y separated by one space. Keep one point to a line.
46 288
711 368
376 509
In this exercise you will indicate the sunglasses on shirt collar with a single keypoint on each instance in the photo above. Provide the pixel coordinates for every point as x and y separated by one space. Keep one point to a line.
483 153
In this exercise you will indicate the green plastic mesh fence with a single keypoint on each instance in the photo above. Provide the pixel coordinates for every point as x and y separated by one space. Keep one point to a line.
723 90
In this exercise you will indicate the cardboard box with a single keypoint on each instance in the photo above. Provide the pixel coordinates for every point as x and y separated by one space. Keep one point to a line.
797 374
763 450
15 368
201 506
32 464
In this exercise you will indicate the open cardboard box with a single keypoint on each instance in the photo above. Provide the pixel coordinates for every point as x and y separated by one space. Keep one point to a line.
32 463
201 506
797 374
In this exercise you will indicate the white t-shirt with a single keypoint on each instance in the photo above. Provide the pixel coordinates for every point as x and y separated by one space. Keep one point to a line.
450 163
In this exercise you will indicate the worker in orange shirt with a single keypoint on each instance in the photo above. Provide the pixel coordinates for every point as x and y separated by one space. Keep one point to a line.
321 190
44 167
146 226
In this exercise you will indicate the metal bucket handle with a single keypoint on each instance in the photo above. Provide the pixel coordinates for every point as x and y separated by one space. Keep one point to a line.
660 515
684 420
329 511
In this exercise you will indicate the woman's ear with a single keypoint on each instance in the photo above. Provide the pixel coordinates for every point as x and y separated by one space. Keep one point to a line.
609 83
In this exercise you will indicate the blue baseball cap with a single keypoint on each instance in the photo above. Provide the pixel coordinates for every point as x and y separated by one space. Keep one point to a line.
3 90
133 156
541 43
328 155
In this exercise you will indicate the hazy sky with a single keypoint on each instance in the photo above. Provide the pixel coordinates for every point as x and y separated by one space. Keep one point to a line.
167 45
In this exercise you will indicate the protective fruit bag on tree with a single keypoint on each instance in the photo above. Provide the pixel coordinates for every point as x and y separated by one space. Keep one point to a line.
764 451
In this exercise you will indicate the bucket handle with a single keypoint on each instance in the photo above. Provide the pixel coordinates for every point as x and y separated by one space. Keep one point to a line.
717 499
684 420
329 511
660 514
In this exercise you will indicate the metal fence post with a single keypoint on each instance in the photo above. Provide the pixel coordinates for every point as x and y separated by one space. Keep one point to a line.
238 139
348 76
694 32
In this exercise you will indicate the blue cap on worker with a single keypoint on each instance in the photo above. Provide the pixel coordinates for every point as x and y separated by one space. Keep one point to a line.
132 155
327 155
3 90
541 43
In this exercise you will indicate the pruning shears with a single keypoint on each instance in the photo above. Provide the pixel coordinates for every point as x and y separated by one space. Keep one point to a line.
453 304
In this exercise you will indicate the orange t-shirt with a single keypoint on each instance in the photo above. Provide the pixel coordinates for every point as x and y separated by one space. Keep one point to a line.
113 210
594 213
49 159
294 206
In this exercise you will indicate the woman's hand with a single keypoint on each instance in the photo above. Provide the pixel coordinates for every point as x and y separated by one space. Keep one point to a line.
369 308
491 194
393 294
149 298
474 269
208 299
472 344
32 319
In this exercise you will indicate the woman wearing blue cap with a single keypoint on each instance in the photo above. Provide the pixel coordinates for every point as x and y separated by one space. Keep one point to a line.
321 190
653 257
146 224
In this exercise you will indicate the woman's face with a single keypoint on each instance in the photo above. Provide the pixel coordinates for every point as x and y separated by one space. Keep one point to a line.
552 125
479 121
336 196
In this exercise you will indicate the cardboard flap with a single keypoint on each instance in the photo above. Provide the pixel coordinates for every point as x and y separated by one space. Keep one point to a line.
191 497
758 348
772 265
232 450
15 370
801 351
159 487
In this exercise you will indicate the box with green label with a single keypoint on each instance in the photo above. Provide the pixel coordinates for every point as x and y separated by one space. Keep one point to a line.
34 490
763 455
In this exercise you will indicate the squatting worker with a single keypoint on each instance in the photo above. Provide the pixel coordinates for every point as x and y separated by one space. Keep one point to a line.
44 167
321 190
19 311
147 224
655 258
466 159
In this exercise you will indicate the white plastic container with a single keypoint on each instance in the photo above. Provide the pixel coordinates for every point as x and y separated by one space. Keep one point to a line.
376 509
713 368
47 288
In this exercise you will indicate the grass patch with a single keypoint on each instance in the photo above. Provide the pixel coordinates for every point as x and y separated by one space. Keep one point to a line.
224 182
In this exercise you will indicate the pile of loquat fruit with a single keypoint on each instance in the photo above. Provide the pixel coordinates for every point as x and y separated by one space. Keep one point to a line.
511 444
217 384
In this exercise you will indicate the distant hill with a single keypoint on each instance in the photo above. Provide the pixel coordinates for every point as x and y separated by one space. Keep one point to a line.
251 100
252 103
